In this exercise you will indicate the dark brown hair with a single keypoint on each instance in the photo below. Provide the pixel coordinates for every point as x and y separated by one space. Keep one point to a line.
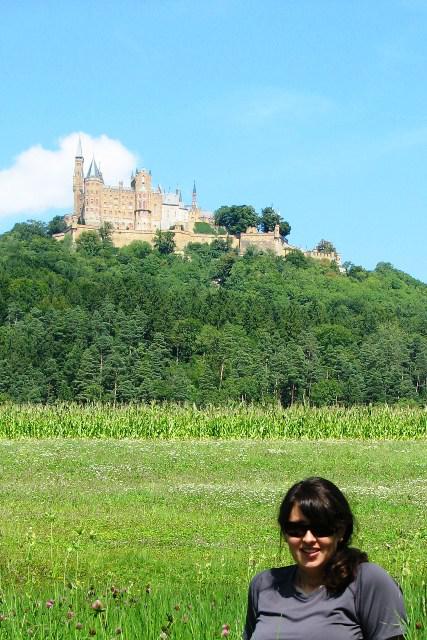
322 503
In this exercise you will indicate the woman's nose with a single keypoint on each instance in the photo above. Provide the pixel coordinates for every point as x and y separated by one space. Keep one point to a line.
308 536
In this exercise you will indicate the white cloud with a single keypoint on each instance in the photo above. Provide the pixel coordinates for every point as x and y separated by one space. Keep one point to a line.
41 179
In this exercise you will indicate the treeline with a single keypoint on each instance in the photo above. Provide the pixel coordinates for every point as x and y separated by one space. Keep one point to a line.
133 324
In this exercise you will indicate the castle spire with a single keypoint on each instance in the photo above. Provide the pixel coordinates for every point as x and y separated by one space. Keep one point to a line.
79 152
194 198
94 172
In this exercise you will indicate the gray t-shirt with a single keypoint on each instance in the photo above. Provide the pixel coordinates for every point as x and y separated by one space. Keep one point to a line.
370 608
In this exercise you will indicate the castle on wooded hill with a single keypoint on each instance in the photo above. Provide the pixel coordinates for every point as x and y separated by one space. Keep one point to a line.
136 213
132 211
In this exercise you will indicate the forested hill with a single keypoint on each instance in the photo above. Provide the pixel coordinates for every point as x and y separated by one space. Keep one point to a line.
209 327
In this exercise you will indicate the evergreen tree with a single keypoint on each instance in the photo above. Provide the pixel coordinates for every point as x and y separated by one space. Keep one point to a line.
87 382
154 370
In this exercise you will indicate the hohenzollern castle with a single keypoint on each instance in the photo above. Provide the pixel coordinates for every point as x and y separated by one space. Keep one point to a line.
138 211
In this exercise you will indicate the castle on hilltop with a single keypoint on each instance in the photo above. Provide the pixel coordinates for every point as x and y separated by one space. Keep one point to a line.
139 211
138 208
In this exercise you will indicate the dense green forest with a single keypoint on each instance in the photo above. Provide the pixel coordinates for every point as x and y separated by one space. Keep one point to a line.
96 323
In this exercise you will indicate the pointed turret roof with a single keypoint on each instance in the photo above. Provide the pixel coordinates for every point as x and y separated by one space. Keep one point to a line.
194 197
79 152
94 172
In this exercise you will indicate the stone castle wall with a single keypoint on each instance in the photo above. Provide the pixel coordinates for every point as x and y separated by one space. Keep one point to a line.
270 241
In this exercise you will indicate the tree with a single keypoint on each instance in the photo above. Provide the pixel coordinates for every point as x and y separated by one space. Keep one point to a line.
326 392
89 243
87 381
105 233
297 258
137 249
270 218
419 364
325 246
52 380
219 246
355 271
385 358
237 218
56 225
153 368
225 266
117 377
182 337
27 230
164 242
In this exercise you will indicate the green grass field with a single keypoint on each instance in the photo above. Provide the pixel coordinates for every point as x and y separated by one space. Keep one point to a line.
166 534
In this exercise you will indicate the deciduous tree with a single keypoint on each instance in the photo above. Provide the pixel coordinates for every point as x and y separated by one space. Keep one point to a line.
270 218
325 246
164 242
237 218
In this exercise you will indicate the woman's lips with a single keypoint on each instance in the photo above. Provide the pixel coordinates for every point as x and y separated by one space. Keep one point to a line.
311 553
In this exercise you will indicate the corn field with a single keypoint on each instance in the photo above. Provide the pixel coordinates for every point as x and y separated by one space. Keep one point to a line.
166 421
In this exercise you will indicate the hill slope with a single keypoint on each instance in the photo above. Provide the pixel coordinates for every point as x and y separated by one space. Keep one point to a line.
133 325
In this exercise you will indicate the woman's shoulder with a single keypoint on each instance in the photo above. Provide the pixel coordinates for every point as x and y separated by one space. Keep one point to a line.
372 572
379 602
371 578
272 577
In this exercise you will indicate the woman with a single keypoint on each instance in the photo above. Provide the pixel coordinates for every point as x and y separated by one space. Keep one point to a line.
332 592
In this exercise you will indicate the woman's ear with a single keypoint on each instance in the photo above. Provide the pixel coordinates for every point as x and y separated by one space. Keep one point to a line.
340 535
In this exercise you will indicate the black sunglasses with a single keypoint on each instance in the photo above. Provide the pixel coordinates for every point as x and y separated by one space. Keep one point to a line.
299 529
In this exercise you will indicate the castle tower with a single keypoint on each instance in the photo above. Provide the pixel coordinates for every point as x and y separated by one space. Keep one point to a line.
145 201
141 184
78 181
141 181
93 195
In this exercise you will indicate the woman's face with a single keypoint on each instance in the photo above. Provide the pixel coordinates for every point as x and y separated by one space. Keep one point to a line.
310 552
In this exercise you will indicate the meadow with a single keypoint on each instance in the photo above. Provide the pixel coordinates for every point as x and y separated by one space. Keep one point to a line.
158 537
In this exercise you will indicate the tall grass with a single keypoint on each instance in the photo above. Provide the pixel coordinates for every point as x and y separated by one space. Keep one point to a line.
166 421
148 613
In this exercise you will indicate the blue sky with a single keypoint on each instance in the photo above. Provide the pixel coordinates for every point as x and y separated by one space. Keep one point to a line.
318 107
